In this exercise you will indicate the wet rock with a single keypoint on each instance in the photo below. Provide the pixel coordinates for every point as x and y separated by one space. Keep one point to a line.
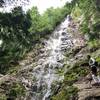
93 98
1 75
48 98
64 33
42 86
41 51
10 98
34 88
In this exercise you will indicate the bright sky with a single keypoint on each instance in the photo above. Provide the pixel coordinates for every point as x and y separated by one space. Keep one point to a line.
42 5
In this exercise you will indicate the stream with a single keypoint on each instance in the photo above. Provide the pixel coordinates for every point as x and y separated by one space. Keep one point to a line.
45 73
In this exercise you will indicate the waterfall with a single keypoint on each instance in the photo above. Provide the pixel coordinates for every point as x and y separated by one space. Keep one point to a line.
45 73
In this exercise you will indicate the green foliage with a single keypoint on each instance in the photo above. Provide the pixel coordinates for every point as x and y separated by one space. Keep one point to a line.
44 24
88 11
84 28
35 18
52 17
15 36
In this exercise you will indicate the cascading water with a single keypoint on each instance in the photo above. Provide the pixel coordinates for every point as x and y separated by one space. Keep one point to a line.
45 73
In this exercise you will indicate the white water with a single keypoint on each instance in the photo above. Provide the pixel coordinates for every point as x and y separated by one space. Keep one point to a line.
45 72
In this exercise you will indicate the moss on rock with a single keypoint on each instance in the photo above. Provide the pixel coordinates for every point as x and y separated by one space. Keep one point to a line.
11 89
68 93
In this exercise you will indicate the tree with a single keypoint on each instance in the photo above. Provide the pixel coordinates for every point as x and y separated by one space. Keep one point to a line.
9 2
35 16
16 38
1 3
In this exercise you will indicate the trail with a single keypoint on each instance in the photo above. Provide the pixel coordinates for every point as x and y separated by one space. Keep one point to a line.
87 91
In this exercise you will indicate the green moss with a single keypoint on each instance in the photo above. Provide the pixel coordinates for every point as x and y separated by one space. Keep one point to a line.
66 94
16 90
74 74
98 59
60 71
13 70
94 44
11 89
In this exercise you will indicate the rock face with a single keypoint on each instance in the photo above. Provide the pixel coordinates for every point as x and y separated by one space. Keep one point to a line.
90 94
88 91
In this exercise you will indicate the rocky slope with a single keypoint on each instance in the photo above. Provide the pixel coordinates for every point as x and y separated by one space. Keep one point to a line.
23 74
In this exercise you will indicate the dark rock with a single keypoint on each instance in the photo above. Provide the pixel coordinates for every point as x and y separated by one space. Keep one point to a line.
34 88
48 98
93 98
10 98
64 33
